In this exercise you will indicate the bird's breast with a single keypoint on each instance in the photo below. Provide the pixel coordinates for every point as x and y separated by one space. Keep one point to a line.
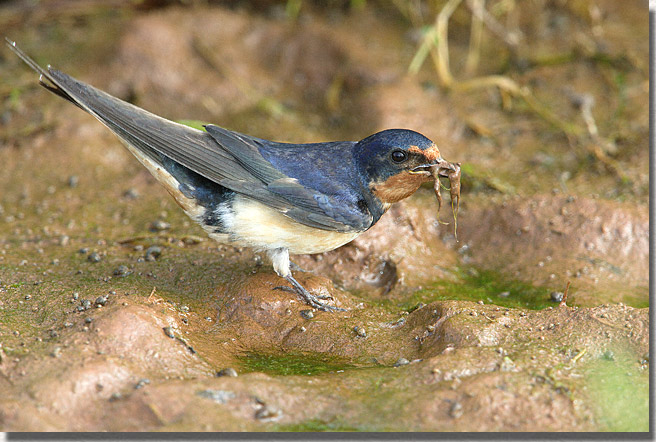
253 224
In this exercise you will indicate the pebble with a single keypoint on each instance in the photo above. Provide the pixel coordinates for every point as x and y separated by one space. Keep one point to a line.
401 361
94 257
85 304
142 382
267 413
168 331
159 225
73 181
307 314
152 253
76 296
230 372
456 410
122 270
28 297
504 294
557 296
184 308
131 193
56 352
88 320
360 331
481 302
101 301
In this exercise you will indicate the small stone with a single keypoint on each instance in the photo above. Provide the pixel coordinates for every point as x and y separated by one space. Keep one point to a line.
168 331
557 296
115 396
307 314
28 297
83 251
73 181
88 320
401 361
456 410
430 328
131 193
230 372
76 296
481 302
184 308
94 257
68 324
142 382
608 355
267 413
122 270
504 294
360 331
85 304
159 225
56 352
152 253
101 300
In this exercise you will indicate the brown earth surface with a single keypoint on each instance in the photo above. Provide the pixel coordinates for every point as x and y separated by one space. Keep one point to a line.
109 323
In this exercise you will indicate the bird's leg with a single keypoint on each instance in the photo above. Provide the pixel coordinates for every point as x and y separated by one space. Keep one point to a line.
281 264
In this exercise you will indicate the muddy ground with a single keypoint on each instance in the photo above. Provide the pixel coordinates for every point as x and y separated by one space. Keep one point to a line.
117 313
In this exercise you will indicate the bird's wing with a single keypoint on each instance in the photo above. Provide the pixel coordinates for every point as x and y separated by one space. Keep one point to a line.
206 155
317 196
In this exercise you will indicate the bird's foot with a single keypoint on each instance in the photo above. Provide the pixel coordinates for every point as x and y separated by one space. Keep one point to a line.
309 298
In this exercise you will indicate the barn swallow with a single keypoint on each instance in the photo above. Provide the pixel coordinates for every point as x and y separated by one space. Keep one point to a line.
280 198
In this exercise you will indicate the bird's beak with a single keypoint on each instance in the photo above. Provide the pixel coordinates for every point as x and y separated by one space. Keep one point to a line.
444 167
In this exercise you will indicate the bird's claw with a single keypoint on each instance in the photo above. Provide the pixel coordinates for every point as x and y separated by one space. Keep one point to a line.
309 298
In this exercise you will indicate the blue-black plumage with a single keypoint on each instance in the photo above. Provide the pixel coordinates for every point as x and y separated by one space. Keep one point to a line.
276 197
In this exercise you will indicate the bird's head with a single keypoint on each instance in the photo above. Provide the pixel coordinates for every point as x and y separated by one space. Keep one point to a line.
395 162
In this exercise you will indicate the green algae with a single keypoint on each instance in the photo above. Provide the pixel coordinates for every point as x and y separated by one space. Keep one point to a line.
619 393
293 364
316 425
472 284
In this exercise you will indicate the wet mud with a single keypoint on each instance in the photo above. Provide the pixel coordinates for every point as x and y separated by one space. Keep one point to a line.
117 313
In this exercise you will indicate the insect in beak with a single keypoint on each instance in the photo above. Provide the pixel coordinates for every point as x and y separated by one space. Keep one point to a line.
446 169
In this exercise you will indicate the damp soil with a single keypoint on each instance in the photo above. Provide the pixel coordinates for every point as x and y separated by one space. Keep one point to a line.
117 313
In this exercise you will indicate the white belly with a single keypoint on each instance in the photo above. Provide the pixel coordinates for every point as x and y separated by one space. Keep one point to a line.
256 225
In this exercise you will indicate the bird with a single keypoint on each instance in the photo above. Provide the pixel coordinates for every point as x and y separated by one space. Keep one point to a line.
273 197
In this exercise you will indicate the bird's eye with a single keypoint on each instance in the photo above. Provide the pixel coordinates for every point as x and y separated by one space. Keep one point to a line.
398 156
